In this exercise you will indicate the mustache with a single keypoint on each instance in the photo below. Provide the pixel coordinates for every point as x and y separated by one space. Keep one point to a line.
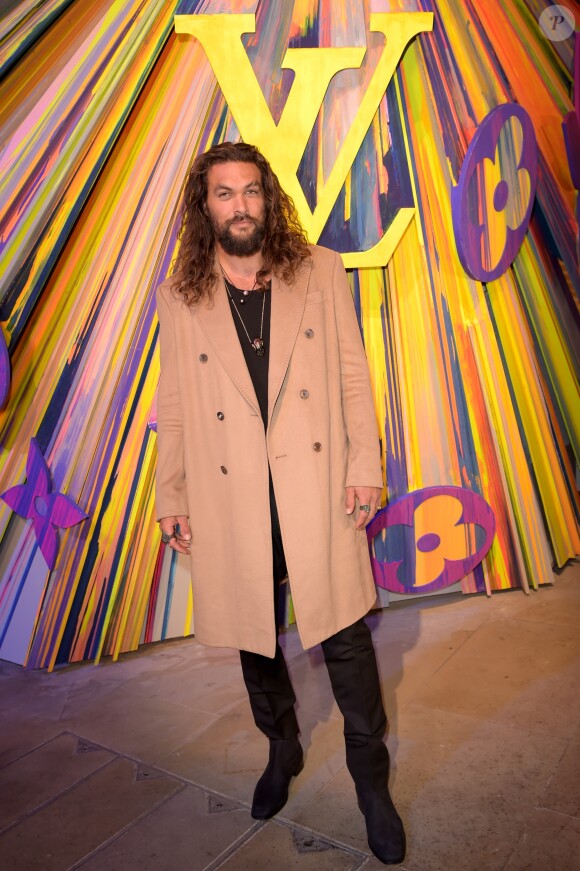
239 218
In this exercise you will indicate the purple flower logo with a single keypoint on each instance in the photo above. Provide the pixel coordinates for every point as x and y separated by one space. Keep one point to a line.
492 203
429 539
37 501
4 371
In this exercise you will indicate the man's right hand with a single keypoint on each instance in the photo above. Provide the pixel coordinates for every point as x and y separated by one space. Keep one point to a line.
178 527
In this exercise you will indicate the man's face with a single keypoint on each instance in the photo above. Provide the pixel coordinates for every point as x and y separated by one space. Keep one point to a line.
235 205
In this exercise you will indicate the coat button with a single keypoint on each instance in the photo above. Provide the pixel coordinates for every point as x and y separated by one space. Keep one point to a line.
203 358
304 394
317 446
224 470
220 415
309 333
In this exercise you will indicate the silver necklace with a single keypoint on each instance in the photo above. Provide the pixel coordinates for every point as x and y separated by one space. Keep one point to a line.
245 292
257 343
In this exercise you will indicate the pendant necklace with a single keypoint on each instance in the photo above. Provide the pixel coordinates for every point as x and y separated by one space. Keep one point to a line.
257 344
233 286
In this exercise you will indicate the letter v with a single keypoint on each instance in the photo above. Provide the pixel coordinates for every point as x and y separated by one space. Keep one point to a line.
284 144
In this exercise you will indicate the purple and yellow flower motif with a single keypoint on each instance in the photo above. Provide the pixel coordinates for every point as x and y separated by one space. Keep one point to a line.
429 539
506 195
493 201
439 536
47 509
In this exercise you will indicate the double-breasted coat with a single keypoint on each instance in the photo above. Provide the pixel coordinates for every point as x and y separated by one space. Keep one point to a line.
213 457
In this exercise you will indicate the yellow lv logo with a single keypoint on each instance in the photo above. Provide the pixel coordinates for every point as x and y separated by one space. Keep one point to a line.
284 143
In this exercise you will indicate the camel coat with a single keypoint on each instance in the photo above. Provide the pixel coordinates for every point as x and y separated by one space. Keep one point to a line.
213 457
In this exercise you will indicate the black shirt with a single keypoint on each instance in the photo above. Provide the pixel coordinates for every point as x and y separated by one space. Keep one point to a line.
248 310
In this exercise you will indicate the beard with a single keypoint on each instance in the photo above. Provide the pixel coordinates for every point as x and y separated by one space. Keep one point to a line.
240 245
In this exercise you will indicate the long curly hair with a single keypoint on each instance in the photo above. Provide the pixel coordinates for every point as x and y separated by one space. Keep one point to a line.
284 248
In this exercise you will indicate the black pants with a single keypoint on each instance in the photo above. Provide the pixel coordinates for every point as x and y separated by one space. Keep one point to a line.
352 668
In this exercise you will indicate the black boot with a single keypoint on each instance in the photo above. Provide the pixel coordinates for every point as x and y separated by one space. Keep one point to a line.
271 793
369 768
272 701
352 667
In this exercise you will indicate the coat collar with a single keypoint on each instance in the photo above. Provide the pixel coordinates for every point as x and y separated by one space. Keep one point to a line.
288 301
218 325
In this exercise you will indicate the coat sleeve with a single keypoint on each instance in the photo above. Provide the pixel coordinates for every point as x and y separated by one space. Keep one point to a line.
364 463
171 496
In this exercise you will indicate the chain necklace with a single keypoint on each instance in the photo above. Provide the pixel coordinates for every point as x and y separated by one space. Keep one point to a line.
231 283
257 344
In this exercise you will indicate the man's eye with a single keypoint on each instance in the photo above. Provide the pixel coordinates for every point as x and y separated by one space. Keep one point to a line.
253 192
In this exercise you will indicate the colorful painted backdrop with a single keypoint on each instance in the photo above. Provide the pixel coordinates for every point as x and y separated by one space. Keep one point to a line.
102 108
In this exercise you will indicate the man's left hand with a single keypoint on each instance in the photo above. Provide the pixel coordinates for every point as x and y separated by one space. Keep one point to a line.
368 498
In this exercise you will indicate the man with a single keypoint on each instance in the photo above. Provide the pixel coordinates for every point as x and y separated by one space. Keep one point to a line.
267 440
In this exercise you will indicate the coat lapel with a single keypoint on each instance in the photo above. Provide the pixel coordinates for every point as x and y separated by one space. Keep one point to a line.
288 301
218 325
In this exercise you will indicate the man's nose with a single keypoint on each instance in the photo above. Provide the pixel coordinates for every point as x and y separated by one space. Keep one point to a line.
240 204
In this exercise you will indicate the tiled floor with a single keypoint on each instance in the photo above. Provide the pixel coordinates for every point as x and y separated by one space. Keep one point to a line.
149 764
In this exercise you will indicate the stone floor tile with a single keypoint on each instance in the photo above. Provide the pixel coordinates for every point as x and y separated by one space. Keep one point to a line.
93 696
9 671
482 697
42 774
324 758
550 842
549 705
548 606
230 756
81 683
559 604
405 671
32 692
46 694
20 734
372 864
227 756
464 788
333 811
563 791
161 656
414 639
131 723
73 825
195 686
502 661
436 616
424 741
188 831
282 848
